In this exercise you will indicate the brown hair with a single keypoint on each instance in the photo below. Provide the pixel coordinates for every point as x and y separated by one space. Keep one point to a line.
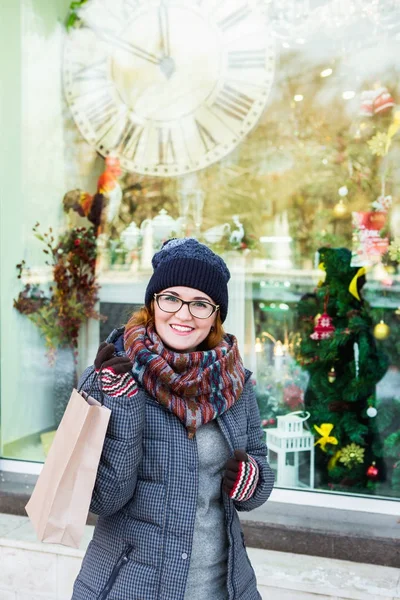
145 315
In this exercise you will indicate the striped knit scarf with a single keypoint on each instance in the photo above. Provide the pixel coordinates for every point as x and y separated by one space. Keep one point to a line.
195 386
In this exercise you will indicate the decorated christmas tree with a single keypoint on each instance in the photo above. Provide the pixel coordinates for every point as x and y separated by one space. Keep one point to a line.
337 348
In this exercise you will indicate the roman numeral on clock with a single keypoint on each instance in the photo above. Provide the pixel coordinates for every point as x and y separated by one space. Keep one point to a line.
246 59
206 137
233 103
97 71
129 139
234 18
102 112
166 150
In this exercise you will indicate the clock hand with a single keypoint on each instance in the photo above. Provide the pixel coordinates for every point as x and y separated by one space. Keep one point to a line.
110 38
164 30
167 64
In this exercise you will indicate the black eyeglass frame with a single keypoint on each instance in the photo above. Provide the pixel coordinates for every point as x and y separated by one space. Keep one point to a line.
214 307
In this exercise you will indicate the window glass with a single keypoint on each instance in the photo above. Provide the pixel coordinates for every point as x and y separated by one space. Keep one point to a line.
281 154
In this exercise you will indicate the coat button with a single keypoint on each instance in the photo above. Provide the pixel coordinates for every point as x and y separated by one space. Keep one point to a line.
184 556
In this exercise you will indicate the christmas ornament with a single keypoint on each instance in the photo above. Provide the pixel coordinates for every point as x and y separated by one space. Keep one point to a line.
383 101
367 103
316 318
372 471
332 462
372 412
324 328
394 249
340 209
353 287
381 331
352 455
382 203
379 144
322 275
356 358
324 431
332 375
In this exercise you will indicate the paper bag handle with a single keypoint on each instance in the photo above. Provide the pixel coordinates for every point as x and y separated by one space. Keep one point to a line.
97 377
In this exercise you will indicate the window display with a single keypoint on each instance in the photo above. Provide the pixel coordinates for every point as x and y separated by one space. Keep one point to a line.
269 131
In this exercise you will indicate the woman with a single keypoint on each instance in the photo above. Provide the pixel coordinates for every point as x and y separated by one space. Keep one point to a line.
184 450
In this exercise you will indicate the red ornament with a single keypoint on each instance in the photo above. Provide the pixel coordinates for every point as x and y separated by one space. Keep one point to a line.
367 103
383 101
372 471
77 242
324 328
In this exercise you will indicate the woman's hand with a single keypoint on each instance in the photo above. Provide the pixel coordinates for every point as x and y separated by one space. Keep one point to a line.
241 476
116 376
106 359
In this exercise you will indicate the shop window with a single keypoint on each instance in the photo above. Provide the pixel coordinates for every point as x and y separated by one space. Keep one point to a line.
293 179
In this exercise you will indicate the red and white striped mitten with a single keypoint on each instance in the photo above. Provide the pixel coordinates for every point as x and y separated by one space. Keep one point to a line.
241 476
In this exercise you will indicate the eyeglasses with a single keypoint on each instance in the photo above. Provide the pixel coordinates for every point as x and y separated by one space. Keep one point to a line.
200 309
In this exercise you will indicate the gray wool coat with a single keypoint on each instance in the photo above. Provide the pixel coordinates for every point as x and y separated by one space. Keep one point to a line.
145 495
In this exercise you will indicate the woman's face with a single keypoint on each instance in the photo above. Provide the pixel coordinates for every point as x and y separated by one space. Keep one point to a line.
180 331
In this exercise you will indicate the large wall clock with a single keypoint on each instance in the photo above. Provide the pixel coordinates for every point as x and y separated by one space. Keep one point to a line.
169 86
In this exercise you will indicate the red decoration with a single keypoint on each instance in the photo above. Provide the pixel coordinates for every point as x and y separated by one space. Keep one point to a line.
372 471
293 396
367 103
378 101
383 101
268 422
324 328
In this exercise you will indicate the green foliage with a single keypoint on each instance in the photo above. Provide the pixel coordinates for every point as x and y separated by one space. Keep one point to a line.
396 478
74 294
73 19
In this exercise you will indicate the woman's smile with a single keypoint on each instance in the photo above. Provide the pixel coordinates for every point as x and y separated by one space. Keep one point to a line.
181 329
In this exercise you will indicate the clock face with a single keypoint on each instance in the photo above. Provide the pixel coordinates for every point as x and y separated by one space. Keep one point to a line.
169 86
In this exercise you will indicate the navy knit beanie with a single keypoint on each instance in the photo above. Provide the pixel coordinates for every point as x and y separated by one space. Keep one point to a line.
186 262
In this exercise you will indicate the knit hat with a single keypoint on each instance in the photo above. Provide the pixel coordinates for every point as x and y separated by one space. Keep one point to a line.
186 262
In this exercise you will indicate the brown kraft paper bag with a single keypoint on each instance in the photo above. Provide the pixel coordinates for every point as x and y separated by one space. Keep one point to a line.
59 505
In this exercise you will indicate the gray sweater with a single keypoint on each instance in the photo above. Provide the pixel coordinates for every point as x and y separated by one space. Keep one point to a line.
207 576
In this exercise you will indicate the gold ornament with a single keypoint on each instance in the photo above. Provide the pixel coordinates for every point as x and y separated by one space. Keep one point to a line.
353 283
381 331
340 210
321 267
325 430
351 455
332 375
316 318
332 462
379 144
